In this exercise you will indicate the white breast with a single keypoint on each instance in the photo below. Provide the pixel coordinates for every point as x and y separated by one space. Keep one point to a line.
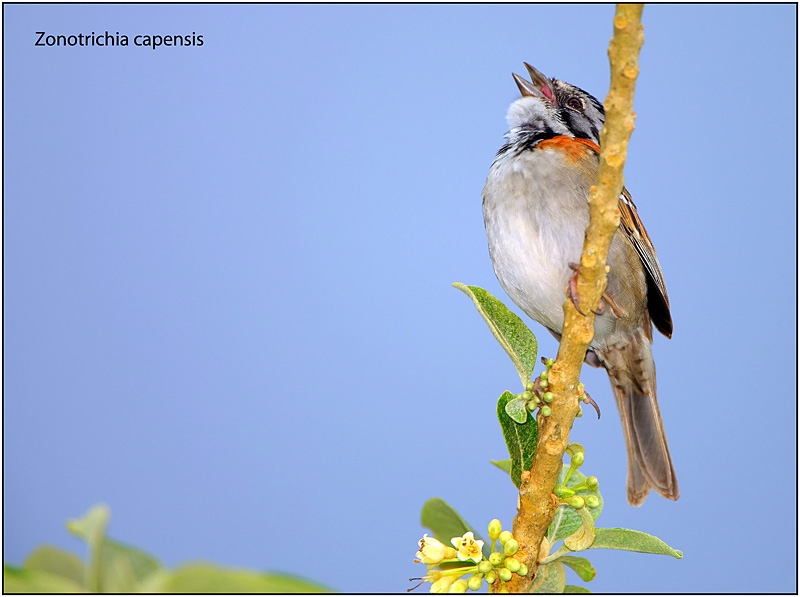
536 211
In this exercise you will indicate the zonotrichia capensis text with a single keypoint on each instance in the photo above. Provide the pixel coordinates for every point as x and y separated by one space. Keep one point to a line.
535 207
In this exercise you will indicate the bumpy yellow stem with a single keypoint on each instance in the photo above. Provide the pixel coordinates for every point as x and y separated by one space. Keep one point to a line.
537 504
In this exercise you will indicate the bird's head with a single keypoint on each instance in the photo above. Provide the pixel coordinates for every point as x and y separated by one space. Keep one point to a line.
553 107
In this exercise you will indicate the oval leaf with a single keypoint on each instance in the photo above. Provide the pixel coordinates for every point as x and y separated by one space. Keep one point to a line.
515 408
520 439
503 465
445 523
207 578
584 536
123 568
509 330
48 558
551 578
580 566
17 580
628 540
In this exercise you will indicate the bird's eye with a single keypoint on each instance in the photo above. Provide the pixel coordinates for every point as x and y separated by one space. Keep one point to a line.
575 103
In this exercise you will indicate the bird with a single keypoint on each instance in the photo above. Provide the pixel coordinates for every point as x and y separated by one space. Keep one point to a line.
536 210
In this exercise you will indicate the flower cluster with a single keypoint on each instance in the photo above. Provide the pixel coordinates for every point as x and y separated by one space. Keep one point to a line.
461 567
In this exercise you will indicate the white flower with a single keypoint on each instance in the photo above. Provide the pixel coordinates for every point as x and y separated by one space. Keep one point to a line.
468 547
433 551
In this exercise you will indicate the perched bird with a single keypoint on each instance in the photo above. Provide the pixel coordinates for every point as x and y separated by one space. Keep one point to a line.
535 207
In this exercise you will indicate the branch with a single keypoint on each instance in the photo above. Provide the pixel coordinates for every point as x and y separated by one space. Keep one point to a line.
537 504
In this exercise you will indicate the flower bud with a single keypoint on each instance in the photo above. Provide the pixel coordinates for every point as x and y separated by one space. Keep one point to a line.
523 570
475 582
460 586
592 501
592 483
577 459
526 395
548 397
512 564
576 502
504 574
511 547
530 386
546 412
443 584
563 492
484 566
543 376
491 577
495 528
505 536
495 559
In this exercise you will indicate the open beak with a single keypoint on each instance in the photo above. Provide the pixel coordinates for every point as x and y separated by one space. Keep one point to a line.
526 88
538 86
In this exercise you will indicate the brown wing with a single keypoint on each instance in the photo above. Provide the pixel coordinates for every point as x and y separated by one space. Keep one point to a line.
657 299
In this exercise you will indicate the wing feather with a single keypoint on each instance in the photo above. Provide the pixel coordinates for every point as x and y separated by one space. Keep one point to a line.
657 298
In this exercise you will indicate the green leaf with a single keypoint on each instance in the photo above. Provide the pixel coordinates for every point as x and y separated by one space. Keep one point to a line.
17 580
520 439
567 519
207 578
584 536
509 330
517 410
575 589
58 562
503 465
445 523
580 566
628 540
92 528
124 567
550 578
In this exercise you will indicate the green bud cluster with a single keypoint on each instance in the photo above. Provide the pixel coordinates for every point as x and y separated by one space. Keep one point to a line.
500 566
569 495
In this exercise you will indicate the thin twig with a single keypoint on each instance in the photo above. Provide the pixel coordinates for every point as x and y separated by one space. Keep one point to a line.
537 504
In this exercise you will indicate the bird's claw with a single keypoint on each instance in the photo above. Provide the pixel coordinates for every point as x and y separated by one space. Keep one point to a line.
572 290
586 399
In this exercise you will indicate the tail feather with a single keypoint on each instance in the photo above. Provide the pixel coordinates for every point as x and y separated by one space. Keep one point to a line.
632 373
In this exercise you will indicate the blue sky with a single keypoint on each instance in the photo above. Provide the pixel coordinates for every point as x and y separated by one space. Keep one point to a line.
227 270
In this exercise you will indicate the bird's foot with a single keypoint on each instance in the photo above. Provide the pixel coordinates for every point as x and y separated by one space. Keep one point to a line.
586 399
572 287
606 299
